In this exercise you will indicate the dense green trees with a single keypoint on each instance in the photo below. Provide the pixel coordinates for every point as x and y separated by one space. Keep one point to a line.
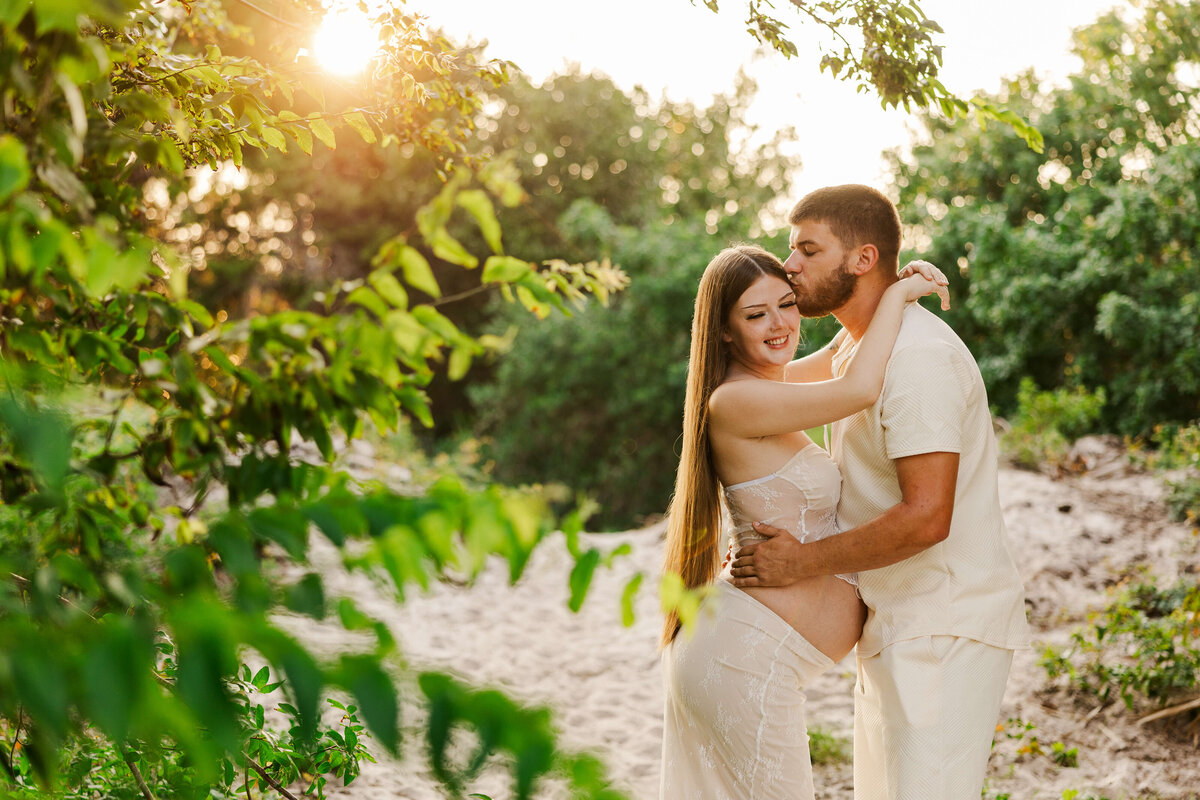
155 515
1079 267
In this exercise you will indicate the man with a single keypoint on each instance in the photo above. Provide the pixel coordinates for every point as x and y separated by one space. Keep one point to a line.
921 518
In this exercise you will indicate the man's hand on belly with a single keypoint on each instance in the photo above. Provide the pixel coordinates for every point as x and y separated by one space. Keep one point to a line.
776 561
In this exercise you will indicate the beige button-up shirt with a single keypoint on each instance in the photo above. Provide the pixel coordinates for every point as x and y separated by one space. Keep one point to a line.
933 400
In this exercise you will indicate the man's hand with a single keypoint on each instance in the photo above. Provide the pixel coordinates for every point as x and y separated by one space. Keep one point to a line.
775 561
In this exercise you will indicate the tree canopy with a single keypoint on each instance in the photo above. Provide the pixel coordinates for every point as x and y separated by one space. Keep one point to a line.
1077 267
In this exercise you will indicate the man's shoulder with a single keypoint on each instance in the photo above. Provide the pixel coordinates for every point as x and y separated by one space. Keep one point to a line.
922 329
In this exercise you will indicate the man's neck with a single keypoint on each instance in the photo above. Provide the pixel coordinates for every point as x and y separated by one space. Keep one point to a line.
856 315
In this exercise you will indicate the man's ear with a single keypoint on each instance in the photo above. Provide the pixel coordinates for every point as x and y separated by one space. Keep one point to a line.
868 257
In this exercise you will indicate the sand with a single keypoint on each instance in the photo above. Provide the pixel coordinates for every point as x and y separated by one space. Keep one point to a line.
1073 536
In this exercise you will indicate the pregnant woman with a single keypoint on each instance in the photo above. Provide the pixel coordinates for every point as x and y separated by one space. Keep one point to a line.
734 725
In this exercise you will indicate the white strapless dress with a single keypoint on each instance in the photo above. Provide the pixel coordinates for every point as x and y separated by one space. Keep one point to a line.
734 726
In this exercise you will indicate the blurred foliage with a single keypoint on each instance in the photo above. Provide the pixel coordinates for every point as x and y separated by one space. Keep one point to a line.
1143 648
1078 266
164 465
1176 454
1046 423
827 747
885 46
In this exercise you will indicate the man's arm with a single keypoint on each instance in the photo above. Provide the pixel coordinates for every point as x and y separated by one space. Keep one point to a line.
920 520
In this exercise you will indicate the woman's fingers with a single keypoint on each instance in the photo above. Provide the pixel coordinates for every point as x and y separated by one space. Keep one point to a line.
925 269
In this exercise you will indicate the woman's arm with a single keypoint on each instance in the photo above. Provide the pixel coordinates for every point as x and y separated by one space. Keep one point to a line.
751 408
818 366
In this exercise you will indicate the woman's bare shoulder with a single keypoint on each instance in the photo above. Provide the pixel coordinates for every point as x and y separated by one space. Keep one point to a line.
732 395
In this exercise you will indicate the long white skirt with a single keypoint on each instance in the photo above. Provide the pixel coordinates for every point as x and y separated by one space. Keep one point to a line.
734 726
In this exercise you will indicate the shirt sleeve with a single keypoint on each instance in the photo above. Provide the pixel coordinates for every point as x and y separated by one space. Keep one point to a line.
924 402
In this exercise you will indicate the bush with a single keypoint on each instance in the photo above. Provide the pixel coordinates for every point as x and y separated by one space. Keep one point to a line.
1144 647
1047 422
1178 454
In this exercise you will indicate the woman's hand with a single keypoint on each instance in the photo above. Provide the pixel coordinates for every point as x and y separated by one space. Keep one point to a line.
916 285
925 268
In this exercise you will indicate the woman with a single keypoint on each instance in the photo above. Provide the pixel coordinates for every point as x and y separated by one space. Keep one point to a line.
734 725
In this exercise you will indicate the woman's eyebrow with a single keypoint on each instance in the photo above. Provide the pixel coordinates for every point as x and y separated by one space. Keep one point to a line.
782 298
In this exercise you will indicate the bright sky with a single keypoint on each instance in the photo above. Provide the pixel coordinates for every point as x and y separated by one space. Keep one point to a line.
690 53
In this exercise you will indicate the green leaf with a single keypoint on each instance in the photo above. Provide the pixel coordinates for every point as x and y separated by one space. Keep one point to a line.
447 248
275 138
389 288
14 167
503 269
627 597
417 271
581 577
368 299
303 137
304 682
63 183
376 695
307 596
60 15
479 205
358 121
320 128
13 11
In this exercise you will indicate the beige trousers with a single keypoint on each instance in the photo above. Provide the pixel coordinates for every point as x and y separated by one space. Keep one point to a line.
925 712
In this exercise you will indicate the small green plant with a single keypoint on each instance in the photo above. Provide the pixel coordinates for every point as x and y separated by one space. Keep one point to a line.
1047 422
1143 647
1064 757
1178 450
826 747
1022 733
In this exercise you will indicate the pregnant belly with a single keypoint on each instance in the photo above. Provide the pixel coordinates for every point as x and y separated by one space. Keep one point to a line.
824 610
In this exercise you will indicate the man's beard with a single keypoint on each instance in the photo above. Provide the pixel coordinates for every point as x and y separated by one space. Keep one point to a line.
829 295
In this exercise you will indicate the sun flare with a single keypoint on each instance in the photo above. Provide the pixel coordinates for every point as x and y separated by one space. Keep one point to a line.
346 41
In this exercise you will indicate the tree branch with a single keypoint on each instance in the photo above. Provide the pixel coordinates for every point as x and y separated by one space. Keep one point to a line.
137 776
274 784
271 16
1170 712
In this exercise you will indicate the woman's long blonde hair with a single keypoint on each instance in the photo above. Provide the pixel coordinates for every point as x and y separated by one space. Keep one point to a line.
693 529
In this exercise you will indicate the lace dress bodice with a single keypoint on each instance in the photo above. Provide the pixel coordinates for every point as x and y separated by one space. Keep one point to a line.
801 497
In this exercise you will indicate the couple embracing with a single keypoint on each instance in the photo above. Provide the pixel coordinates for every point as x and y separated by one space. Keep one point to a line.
891 542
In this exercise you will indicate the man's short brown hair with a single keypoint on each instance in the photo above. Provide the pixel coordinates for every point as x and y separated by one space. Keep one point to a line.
857 215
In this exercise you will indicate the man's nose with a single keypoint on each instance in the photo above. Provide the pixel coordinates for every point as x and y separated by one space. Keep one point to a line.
792 267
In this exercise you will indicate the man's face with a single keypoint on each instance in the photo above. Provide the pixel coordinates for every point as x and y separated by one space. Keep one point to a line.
819 269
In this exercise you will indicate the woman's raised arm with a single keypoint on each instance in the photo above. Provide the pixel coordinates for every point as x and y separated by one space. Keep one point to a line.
751 407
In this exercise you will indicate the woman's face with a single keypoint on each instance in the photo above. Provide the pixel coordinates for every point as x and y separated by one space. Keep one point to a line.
764 325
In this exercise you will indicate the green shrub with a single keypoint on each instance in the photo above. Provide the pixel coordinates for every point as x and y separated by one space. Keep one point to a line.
1047 422
1144 647
826 747
1178 451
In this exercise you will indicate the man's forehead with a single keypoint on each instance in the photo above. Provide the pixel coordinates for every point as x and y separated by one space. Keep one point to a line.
809 230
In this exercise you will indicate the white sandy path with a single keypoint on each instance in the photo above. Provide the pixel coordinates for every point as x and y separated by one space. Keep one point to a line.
603 680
